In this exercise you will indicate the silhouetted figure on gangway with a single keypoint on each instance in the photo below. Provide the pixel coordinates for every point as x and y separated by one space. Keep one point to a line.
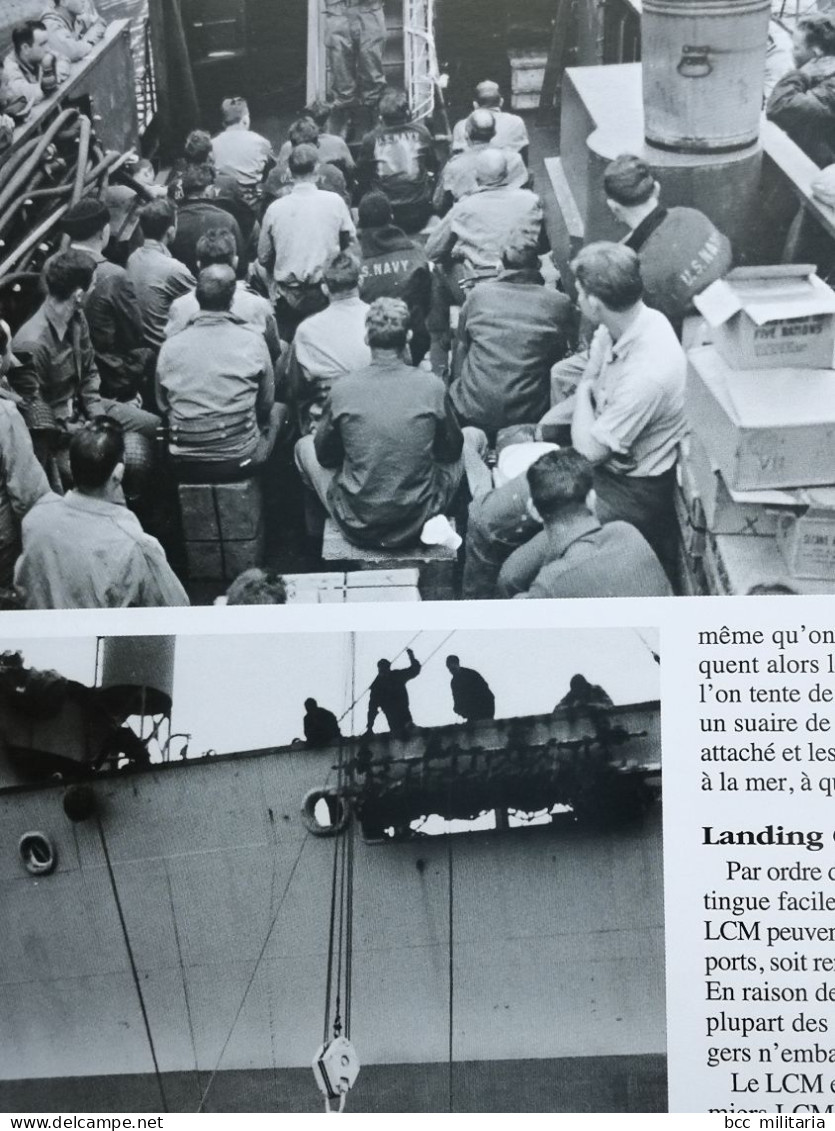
588 700
389 695
582 694
321 727
472 698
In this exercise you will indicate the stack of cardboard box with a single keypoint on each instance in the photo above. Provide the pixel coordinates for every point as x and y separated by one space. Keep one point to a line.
757 501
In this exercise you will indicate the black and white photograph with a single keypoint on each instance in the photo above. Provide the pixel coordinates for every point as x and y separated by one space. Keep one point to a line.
375 872
369 300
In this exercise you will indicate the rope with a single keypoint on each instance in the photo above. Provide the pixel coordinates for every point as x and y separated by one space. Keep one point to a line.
434 652
248 987
349 942
349 930
132 961
260 957
645 643
451 964
329 980
337 1019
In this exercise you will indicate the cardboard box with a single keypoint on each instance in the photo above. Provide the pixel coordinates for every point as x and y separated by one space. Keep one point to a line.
763 430
734 564
807 541
341 588
771 317
724 510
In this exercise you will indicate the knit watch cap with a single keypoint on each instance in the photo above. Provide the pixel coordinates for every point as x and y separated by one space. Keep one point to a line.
86 218
628 180
374 210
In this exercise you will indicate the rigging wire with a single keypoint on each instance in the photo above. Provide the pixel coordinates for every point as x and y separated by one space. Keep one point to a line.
656 657
97 659
349 942
451 967
434 651
132 961
332 921
345 858
248 986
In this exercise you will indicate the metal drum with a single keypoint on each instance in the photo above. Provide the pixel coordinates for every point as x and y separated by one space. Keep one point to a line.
703 73
138 674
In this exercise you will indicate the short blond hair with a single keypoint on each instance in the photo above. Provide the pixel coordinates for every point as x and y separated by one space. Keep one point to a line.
387 324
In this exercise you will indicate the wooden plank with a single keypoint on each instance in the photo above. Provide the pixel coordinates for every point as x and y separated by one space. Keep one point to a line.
799 170
387 593
375 578
337 548
565 199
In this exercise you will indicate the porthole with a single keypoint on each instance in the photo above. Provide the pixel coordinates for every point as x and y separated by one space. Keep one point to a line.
37 853
325 813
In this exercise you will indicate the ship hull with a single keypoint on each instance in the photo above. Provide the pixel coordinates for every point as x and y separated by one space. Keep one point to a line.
572 1084
557 952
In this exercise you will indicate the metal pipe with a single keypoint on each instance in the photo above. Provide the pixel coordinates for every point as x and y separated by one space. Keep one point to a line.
32 240
22 175
16 159
25 198
84 133
83 157
18 277
111 159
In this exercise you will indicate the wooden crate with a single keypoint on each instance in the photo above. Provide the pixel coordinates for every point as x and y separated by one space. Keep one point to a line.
223 528
436 564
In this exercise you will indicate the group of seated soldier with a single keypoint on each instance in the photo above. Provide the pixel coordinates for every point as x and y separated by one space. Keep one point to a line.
43 51
255 317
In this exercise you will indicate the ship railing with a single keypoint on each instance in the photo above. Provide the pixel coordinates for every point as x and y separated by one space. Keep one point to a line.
599 764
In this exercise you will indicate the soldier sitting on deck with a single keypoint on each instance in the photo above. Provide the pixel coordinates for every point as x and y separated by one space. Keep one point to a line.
468 243
240 152
581 693
57 376
218 246
394 266
256 586
327 346
215 385
86 550
397 158
111 309
459 177
157 277
321 727
388 454
589 700
511 132
22 479
329 175
74 28
680 249
30 70
333 149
